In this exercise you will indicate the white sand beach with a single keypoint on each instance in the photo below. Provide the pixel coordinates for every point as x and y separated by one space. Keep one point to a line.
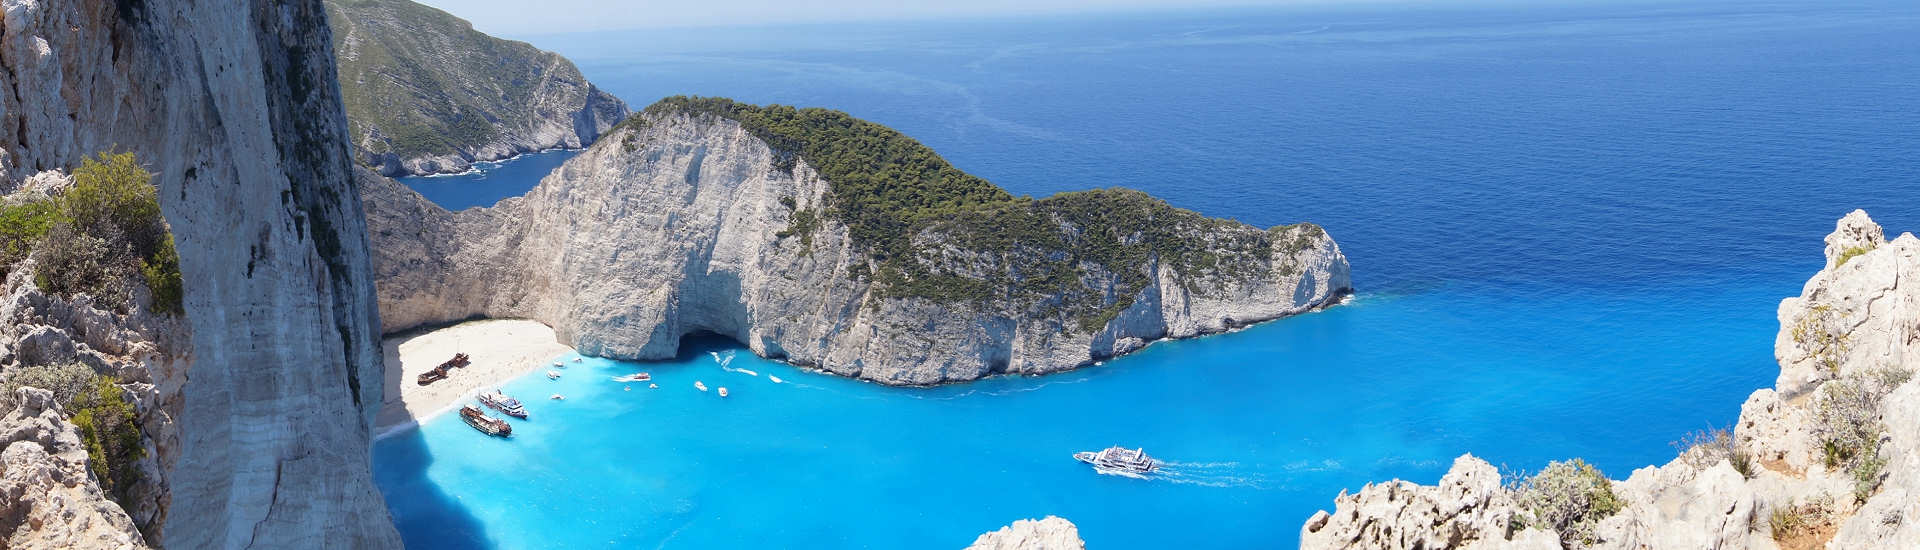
500 349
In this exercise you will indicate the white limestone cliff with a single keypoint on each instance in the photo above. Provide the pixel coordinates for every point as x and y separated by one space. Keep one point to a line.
1049 533
675 226
234 107
1855 325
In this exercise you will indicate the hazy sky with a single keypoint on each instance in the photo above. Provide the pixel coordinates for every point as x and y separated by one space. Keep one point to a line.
546 16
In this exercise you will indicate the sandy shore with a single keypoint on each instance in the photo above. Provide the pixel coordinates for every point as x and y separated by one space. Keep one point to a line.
501 349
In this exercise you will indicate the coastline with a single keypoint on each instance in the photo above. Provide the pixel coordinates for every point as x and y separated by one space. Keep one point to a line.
501 350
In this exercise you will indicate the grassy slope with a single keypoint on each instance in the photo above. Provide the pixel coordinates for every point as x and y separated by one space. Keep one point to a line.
428 81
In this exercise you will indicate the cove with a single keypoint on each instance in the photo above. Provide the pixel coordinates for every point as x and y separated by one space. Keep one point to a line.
1569 229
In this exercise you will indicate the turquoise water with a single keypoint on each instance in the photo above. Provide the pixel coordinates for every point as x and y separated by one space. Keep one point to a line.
1569 229
488 182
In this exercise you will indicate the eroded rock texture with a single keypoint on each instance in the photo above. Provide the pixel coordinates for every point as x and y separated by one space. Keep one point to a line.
234 107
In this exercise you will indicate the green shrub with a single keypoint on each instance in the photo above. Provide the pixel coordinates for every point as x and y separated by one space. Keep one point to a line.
22 226
162 272
1850 254
66 382
70 262
1847 424
97 236
109 428
1570 498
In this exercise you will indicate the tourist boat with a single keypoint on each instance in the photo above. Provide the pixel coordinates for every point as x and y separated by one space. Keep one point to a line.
775 379
500 402
553 375
698 384
723 391
635 377
557 397
748 372
1119 460
486 424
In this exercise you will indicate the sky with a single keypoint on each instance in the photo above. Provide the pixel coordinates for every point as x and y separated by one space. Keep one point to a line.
525 17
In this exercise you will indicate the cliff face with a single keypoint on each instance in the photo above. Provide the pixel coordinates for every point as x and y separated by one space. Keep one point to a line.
233 106
425 93
684 222
1050 533
1829 458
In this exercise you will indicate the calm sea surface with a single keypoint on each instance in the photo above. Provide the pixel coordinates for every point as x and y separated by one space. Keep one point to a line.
1569 228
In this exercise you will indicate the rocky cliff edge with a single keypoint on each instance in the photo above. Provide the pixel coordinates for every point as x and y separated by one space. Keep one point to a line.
1828 458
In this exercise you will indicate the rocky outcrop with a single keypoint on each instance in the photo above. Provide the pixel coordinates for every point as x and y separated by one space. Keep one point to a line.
233 106
425 93
682 223
1788 477
146 353
1050 533
47 498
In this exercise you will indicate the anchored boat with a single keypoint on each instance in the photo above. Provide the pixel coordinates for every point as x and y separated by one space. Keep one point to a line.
486 424
500 402
1119 460
635 377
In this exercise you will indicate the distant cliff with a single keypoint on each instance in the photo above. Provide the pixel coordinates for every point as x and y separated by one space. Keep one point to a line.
425 93
255 408
1828 458
833 242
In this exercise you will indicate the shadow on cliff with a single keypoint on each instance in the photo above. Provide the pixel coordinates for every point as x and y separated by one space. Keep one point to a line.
426 516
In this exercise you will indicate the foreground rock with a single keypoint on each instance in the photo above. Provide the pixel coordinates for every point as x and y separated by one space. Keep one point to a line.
233 106
1829 458
682 222
47 499
425 93
1051 533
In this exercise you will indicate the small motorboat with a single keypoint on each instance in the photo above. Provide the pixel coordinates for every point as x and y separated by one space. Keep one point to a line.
723 391
653 386
507 405
557 397
635 377
559 364
698 384
553 375
576 359
747 372
775 379
486 424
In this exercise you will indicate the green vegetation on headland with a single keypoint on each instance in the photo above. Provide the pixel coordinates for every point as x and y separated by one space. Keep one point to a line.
97 407
97 237
926 225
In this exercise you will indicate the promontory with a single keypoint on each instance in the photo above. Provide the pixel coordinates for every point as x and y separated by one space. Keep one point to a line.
829 241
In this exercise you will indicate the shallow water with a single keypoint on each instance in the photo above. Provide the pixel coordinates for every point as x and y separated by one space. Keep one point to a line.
1569 227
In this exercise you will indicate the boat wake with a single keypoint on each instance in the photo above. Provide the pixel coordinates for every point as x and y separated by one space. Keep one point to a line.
1209 474
722 359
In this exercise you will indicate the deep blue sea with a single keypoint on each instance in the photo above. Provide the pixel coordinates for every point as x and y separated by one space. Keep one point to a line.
1569 229
488 182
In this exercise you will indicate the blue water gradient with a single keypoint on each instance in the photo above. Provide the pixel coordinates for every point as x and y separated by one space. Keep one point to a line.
1569 227
488 182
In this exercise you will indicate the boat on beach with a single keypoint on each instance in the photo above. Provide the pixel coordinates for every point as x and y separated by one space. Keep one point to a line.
506 405
441 371
1119 460
486 424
